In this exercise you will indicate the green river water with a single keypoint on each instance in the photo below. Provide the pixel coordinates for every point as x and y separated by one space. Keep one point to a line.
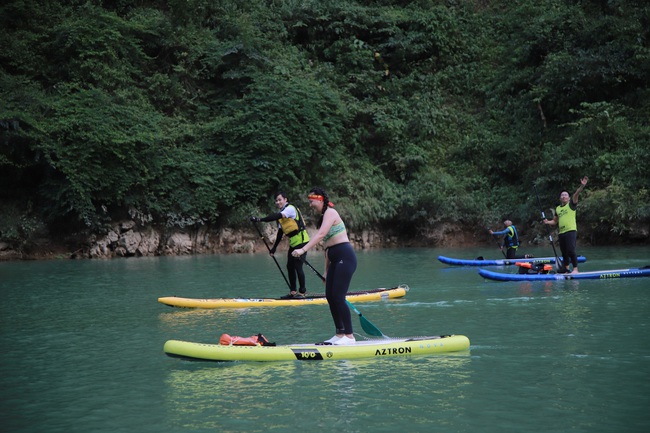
82 348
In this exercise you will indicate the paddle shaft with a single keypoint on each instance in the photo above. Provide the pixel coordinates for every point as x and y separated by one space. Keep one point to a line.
276 262
365 323
499 245
558 265
315 271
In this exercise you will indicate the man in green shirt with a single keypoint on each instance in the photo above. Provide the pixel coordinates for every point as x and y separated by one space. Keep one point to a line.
565 219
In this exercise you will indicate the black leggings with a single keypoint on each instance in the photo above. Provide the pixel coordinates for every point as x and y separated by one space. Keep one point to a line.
568 248
294 268
343 263
512 254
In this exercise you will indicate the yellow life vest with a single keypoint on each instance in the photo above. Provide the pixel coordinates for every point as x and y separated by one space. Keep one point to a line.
294 229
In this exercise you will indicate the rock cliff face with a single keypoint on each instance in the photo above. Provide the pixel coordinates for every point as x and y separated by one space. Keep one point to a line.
126 239
129 239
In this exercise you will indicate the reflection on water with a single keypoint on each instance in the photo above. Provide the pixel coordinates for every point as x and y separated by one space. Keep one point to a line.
337 394
179 319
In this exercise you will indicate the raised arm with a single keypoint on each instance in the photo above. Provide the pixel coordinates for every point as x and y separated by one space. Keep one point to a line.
583 183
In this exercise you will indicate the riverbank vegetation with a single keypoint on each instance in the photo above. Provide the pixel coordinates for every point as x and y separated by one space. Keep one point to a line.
412 113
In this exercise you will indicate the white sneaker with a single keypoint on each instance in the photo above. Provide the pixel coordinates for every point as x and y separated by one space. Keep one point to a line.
344 341
332 340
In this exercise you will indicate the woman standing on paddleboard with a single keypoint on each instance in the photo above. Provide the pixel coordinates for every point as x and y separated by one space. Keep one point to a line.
340 263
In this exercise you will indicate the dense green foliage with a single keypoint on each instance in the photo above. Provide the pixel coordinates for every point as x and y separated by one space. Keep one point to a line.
411 113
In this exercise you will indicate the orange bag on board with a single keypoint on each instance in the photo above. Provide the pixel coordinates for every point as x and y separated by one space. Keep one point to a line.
253 340
533 268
